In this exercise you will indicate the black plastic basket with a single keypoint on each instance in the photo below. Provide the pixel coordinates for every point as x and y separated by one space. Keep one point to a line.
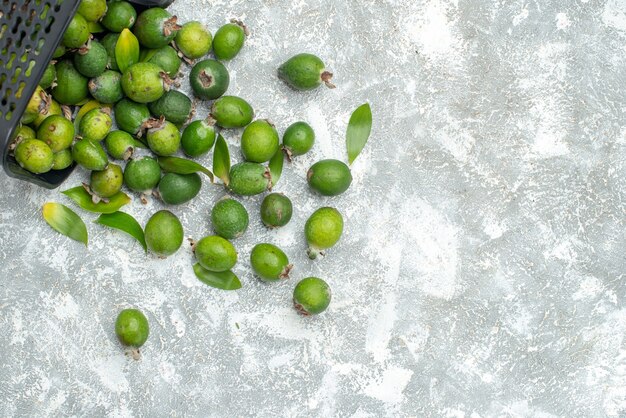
30 31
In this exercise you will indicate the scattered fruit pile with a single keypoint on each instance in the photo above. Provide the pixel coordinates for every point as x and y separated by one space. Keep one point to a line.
117 68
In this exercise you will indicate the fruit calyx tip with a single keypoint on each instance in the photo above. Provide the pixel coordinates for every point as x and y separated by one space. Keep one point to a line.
326 77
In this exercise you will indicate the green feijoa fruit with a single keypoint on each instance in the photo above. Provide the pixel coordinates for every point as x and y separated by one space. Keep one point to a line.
209 79
231 112
215 253
71 85
298 139
230 218
131 326
119 16
176 189
173 105
34 155
142 174
49 75
143 82
194 40
89 154
198 138
269 262
259 141
96 124
120 145
228 40
37 102
62 159
323 229
305 72
92 10
77 32
59 51
92 59
165 57
164 233
57 132
24 132
248 179
164 140
54 108
311 296
131 116
108 42
276 210
329 177
107 182
155 28
107 87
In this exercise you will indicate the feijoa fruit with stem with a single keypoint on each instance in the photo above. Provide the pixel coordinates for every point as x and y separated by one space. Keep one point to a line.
311 296
323 230
269 262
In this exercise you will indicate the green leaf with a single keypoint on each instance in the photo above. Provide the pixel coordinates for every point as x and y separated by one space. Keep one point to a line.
84 200
221 160
90 105
183 166
65 221
359 130
124 222
276 166
225 280
126 50
95 27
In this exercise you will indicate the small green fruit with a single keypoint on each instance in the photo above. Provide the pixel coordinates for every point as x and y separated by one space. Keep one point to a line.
329 177
109 42
143 82
57 132
96 124
24 132
92 10
142 174
164 140
269 262
90 155
194 40
259 141
131 116
92 59
276 210
120 145
173 105
165 57
77 32
232 112
131 327
323 229
34 155
54 108
164 233
311 296
107 87
71 85
62 159
209 79
107 182
305 72
120 15
155 28
229 40
48 77
215 253
298 139
198 138
176 189
230 218
248 179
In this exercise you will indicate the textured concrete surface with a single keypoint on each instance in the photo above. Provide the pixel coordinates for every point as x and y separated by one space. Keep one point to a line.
482 269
